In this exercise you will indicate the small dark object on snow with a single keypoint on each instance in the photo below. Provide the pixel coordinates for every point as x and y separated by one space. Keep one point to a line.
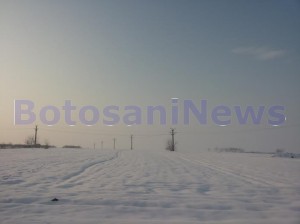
54 199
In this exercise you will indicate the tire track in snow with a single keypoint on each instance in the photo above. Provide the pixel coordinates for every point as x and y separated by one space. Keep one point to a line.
103 175
226 171
115 175
84 168
162 175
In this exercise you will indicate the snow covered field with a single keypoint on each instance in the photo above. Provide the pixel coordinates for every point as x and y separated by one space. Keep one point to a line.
123 186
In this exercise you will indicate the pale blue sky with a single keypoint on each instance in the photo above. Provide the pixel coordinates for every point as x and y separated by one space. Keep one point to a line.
144 53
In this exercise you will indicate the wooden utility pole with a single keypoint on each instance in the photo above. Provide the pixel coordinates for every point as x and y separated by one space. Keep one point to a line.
173 141
114 143
131 145
101 144
35 135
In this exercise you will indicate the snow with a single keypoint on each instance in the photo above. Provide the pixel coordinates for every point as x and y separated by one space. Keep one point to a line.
147 186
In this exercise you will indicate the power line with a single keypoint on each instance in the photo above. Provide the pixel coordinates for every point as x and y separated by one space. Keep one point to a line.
238 131
221 130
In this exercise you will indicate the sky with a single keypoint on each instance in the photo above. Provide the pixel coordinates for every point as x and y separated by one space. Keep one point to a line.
144 53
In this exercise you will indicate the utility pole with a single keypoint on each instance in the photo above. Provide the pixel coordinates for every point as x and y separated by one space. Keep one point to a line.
94 145
35 135
131 146
173 142
101 144
114 143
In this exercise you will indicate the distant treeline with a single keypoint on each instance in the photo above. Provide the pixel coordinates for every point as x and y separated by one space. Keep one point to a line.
16 146
72 146
230 149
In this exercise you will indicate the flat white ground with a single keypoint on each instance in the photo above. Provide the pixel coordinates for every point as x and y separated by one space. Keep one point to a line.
123 186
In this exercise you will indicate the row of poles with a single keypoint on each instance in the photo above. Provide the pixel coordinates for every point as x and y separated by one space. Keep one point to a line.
114 139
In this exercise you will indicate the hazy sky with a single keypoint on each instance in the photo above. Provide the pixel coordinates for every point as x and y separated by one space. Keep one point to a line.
144 53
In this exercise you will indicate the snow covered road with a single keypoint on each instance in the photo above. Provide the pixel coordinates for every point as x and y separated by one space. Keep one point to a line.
123 186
